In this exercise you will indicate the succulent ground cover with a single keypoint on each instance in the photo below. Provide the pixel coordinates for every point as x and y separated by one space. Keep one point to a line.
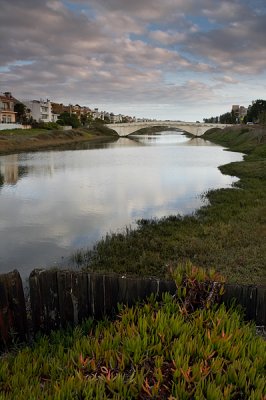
181 347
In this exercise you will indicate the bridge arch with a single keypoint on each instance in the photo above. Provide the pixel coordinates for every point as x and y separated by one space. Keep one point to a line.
194 128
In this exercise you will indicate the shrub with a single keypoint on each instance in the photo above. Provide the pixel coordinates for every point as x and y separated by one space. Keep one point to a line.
46 125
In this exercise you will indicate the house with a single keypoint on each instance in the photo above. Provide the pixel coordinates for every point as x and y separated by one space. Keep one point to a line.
40 110
60 108
7 113
115 118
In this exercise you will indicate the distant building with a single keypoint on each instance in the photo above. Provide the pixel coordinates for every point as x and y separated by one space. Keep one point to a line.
40 110
7 113
59 108
240 112
115 118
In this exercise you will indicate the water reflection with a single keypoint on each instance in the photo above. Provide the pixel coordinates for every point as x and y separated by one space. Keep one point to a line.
10 169
164 138
64 200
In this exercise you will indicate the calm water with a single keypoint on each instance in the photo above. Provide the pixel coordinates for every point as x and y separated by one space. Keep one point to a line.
54 202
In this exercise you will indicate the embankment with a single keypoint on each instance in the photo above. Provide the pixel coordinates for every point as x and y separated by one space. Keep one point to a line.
16 141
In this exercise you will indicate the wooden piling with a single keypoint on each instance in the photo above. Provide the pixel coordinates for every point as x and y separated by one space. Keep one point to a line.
13 317
72 297
44 300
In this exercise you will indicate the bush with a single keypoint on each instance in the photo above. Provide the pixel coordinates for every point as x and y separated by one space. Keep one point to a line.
46 125
69 120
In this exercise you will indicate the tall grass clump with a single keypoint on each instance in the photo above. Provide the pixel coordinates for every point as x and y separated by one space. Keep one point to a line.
156 350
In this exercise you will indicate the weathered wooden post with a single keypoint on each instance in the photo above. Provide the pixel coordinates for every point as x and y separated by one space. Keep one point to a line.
251 298
74 300
261 306
13 317
44 300
96 289
110 294
166 286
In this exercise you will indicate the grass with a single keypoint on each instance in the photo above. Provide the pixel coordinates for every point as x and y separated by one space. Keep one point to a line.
150 351
20 140
22 132
228 234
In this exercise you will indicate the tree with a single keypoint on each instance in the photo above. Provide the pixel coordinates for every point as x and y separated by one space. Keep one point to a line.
256 112
85 119
227 118
99 121
68 119
262 118
21 116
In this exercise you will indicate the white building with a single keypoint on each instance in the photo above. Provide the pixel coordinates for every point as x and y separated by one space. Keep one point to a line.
115 118
41 110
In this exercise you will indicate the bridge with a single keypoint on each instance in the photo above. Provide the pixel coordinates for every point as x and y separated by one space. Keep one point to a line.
194 128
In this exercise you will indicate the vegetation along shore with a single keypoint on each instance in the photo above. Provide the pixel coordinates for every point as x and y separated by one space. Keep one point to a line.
228 234
36 139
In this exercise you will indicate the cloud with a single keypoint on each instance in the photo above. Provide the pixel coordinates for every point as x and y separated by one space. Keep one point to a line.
167 37
225 11
123 51
227 79
238 47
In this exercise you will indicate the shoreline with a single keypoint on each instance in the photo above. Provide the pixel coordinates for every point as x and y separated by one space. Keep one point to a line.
40 140
228 234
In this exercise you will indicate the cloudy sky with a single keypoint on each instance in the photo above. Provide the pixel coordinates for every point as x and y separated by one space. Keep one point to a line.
163 59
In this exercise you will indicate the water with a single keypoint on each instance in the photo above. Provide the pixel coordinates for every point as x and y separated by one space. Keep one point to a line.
53 203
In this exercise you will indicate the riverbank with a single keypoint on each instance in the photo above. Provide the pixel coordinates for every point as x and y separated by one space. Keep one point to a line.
19 140
229 234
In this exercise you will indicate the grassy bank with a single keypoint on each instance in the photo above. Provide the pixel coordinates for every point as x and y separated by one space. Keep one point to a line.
20 140
228 234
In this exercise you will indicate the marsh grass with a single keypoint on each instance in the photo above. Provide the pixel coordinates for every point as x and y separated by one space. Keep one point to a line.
229 233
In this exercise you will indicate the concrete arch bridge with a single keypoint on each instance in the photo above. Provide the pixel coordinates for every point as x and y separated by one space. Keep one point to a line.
194 128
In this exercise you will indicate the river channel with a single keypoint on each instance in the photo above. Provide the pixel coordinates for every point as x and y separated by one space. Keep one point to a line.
55 202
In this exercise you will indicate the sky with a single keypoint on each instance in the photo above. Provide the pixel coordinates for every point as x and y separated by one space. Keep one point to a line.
163 59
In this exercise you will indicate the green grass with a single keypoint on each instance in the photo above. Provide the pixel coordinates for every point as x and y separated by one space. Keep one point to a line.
19 140
23 132
94 129
229 234
151 351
